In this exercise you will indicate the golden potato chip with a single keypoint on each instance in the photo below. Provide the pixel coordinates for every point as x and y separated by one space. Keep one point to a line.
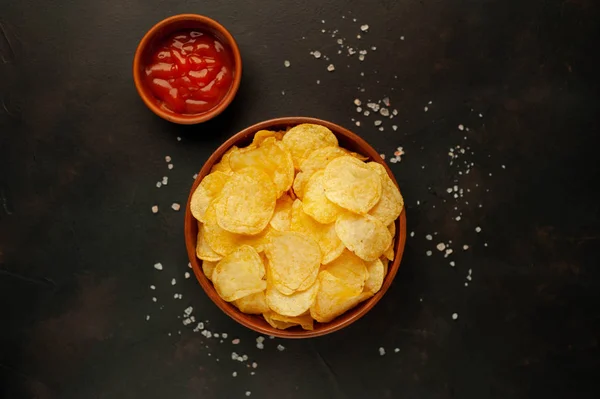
364 235
294 261
224 242
282 322
319 158
300 182
385 263
272 158
316 203
252 304
208 189
291 305
349 268
392 229
283 213
323 234
389 252
246 203
223 164
376 274
351 184
390 204
207 268
303 139
239 274
203 249
356 155
333 298
262 135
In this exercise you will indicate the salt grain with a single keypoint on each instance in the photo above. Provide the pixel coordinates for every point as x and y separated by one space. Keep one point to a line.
316 54
357 123
454 316
147 317
364 28
152 287
381 351
248 393
286 63
331 68
175 206
280 347
412 233
394 127
478 229
158 184
155 209
170 166
461 127
187 275
465 247
428 237
158 266
377 123
154 299
234 374
452 263
441 246
396 350
165 180
428 253
167 159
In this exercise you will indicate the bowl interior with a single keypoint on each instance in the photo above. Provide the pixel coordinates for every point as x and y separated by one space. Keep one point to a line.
347 140
153 39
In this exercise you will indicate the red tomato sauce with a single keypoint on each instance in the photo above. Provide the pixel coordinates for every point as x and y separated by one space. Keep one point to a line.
190 72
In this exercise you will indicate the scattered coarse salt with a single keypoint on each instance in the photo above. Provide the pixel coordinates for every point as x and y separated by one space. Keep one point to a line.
381 351
384 112
254 365
357 102
478 229
465 247
425 109
155 209
396 350
188 311
152 287
452 263
454 316
428 237
428 253
340 41
412 233
286 63
361 57
364 28
470 271
187 275
382 156
154 299
147 317
234 374
461 127
469 277
178 138
158 266
330 68
449 190
165 180
457 218
175 206
441 246
377 122
394 127
357 123
248 393
195 176
373 48
158 184
316 54
173 281
167 159
280 347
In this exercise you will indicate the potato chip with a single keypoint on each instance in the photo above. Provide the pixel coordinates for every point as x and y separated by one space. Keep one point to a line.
207 268
319 158
246 203
300 182
355 155
252 304
389 252
262 135
294 261
376 275
283 213
385 263
282 322
392 229
316 203
208 189
239 274
349 268
203 249
364 235
223 164
291 305
303 139
390 204
333 298
272 158
323 234
224 242
351 184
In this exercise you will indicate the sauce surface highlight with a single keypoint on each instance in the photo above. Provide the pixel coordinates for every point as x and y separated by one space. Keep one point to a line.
190 72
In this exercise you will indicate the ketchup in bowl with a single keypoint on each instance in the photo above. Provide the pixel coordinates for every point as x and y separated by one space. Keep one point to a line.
189 72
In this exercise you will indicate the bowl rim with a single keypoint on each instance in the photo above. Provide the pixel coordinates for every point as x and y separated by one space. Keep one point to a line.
192 118
242 318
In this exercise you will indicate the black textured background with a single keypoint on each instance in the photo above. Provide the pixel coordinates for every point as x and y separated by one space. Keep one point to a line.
80 155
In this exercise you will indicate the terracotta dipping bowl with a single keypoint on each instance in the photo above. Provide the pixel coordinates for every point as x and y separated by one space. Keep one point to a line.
165 28
346 139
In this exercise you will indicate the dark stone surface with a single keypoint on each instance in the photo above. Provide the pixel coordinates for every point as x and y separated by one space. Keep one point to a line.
80 155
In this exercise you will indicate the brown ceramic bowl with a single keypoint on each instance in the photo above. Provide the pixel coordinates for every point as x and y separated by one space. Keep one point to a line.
348 140
167 27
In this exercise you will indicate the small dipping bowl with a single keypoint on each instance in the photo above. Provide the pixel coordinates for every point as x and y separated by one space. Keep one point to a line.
153 40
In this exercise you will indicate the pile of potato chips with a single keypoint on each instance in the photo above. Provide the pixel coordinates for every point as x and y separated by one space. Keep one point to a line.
294 227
